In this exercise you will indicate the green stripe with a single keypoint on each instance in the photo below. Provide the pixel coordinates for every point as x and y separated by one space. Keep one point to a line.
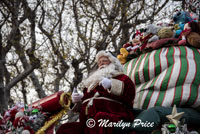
137 80
157 62
181 78
167 77
195 84
126 67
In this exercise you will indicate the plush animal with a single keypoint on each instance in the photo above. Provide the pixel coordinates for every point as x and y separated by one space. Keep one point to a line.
135 43
193 38
136 39
166 32
185 32
122 56
180 19
152 30
130 49
178 29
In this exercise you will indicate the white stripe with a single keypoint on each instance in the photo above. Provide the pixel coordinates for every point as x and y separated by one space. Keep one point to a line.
129 67
136 103
140 69
190 76
169 96
157 85
197 103
133 72
151 65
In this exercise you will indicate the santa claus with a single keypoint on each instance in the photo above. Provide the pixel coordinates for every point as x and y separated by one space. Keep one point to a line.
107 99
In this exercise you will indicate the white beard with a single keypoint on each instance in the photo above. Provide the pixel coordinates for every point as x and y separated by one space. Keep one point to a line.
108 71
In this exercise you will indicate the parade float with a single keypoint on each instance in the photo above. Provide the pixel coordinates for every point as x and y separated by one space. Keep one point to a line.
162 61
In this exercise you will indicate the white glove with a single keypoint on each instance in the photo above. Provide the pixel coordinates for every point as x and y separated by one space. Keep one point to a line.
106 83
76 97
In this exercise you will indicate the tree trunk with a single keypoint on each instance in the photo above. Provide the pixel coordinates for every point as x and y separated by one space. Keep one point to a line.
2 89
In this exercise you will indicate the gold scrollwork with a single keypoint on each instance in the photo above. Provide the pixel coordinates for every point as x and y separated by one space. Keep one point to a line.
58 116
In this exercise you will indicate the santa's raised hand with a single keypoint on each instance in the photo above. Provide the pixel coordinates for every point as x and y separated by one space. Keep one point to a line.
106 83
76 97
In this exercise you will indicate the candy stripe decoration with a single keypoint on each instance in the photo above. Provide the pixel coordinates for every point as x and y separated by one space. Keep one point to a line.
165 77
160 78
175 72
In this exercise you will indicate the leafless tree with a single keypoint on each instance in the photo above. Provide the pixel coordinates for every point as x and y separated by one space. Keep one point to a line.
50 45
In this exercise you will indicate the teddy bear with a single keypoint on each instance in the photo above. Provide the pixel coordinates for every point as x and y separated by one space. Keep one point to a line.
166 32
193 37
166 37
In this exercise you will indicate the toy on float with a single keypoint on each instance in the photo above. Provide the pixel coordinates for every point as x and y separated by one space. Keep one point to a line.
180 19
185 31
131 49
187 28
191 34
150 38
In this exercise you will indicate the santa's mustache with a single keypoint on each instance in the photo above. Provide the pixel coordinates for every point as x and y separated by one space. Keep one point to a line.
102 66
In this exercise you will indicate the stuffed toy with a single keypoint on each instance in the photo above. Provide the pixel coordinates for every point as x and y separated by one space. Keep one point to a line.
166 32
152 30
122 56
128 46
178 29
130 49
184 33
135 43
193 38
136 39
180 19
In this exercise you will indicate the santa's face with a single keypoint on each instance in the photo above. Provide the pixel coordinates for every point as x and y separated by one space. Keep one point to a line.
103 62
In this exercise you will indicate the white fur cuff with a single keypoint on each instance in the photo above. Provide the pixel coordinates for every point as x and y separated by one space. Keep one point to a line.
117 87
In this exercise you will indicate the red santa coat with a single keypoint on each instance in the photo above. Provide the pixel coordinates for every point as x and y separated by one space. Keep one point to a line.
112 105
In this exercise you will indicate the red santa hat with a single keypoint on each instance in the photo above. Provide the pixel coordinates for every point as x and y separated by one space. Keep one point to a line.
113 59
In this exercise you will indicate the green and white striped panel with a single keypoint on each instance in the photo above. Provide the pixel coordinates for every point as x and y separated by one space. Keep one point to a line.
165 77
